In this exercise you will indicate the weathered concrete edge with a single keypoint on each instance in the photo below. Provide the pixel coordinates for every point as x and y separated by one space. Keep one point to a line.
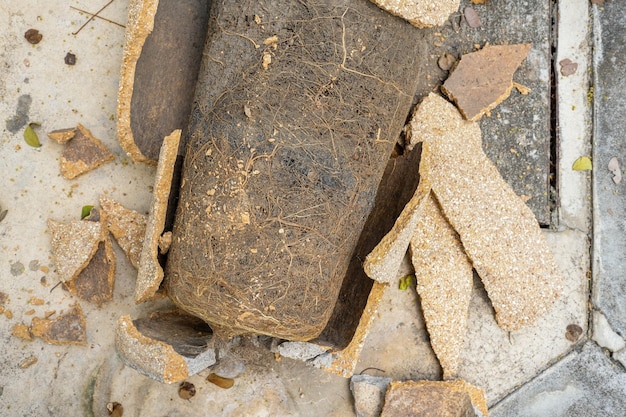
574 114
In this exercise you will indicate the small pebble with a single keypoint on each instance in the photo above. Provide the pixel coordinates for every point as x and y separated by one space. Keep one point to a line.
186 390
70 59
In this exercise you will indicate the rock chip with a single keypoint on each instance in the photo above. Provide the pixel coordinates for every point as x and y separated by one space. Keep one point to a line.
369 394
434 399
484 79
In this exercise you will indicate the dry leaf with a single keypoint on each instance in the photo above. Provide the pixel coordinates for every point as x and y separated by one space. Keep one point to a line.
30 136
582 164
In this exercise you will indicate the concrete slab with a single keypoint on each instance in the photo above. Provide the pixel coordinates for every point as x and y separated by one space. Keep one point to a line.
609 199
585 383
38 86
517 135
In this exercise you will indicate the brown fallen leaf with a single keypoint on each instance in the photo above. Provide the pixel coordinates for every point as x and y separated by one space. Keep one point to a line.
471 17
568 67
67 329
483 79
83 153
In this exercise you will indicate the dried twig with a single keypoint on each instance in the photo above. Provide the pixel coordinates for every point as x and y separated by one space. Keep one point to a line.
93 17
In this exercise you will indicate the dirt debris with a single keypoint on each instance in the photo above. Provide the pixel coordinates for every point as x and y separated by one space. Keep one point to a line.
446 61
83 153
20 330
483 79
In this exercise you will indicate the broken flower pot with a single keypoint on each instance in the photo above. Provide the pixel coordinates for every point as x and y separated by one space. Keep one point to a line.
296 112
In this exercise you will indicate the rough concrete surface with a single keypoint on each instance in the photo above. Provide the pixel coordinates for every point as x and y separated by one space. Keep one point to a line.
585 383
609 198
37 86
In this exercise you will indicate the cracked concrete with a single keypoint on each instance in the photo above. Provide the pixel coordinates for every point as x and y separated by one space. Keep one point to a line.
534 372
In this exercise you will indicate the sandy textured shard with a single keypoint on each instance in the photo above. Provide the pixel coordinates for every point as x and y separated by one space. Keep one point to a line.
498 231
484 79
167 346
444 282
150 272
22 331
83 153
420 13
127 227
434 399
382 263
67 329
73 245
62 135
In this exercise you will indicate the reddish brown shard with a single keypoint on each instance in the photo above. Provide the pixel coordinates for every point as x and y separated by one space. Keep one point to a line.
67 329
83 153
95 282
484 79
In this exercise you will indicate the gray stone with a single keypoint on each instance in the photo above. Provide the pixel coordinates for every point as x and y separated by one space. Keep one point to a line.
583 384
369 394
300 350
609 198
604 335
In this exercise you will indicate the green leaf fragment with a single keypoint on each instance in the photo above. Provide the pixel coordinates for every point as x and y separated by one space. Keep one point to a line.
582 164
86 211
30 136
406 282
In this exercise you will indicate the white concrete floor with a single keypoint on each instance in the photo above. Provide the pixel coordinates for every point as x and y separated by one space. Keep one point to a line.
82 380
